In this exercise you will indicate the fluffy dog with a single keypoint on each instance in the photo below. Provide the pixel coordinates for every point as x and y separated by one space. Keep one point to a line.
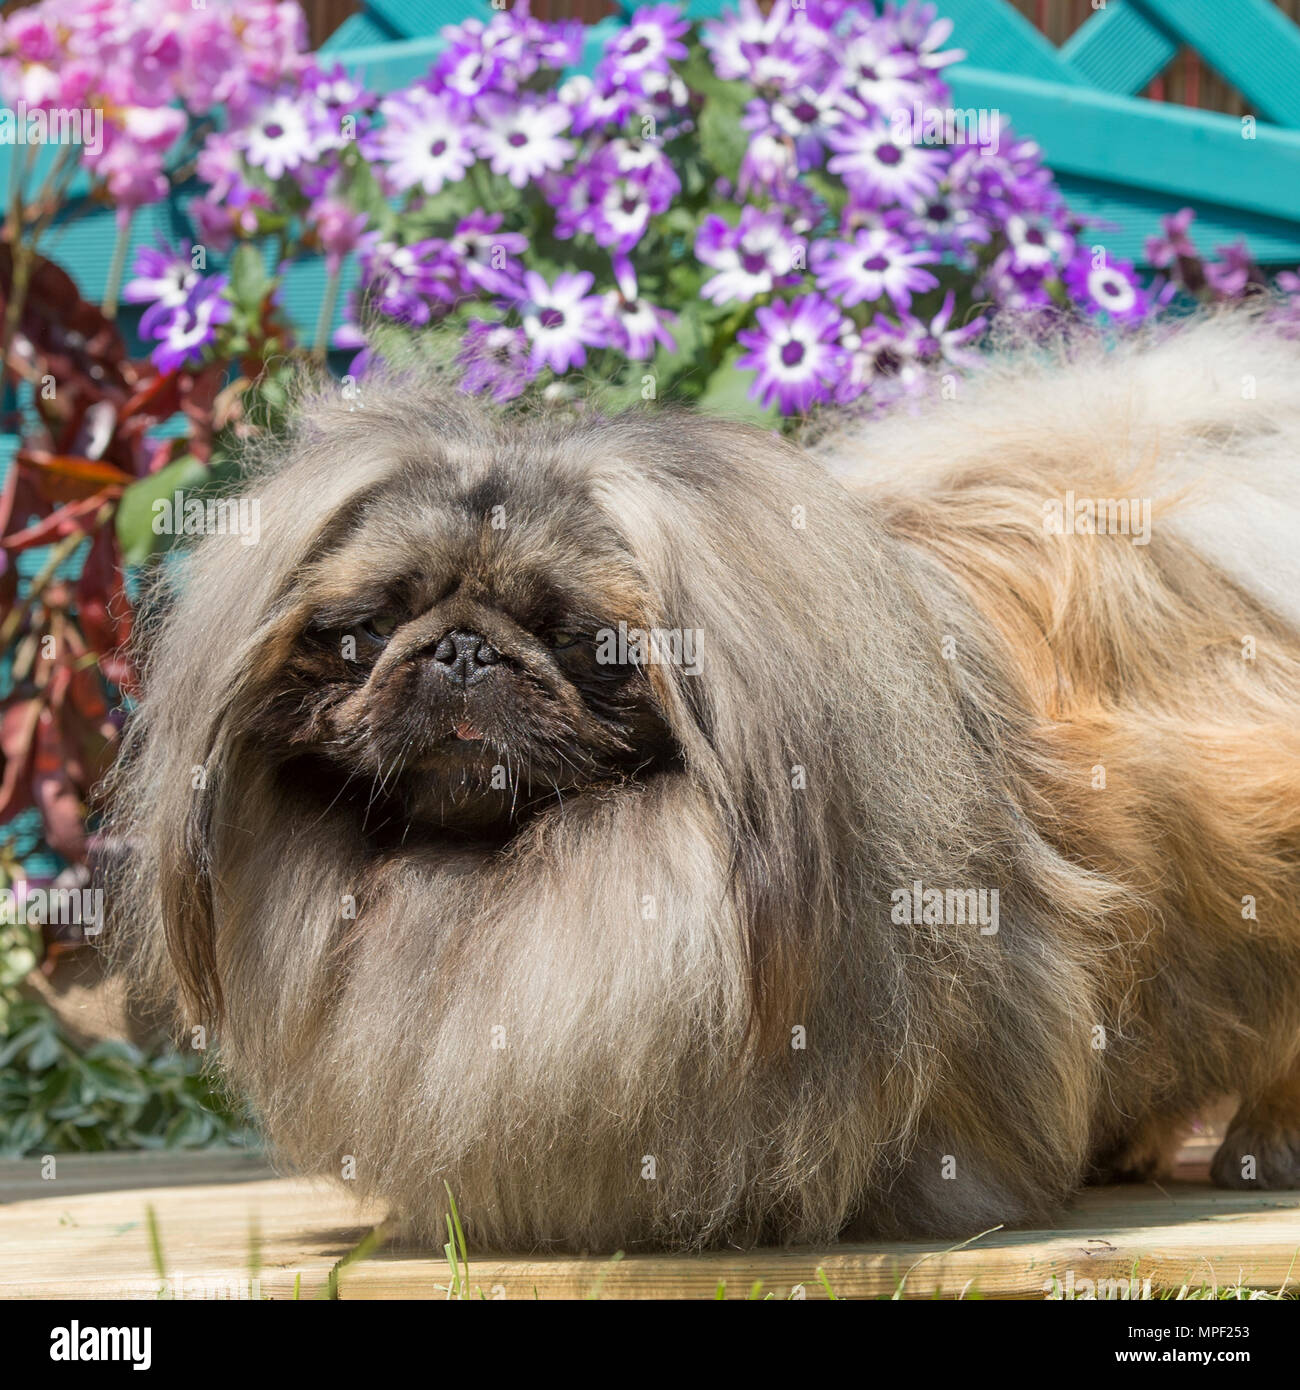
664 835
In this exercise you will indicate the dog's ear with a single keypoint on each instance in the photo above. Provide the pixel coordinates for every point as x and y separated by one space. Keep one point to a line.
208 780
184 883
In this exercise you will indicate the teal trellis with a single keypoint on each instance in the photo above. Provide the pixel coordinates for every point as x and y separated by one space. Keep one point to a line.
1127 160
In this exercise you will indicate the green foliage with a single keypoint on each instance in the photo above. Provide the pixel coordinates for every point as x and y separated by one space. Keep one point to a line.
56 1099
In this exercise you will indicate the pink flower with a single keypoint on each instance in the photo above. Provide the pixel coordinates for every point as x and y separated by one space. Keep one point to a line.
31 36
132 174
338 227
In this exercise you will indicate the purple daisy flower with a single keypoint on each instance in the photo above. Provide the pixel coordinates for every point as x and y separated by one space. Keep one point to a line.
1037 245
946 224
186 330
162 276
278 138
651 39
335 88
779 50
879 168
562 321
407 283
521 140
875 262
795 353
495 357
1102 285
937 341
751 258
621 215
881 77
425 141
770 162
469 66
485 254
635 326
596 105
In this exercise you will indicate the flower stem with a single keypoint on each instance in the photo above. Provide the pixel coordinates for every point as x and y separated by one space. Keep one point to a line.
21 252
117 266
326 316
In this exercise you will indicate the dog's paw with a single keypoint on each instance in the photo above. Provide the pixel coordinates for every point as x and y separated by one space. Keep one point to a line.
1263 1159
1145 1155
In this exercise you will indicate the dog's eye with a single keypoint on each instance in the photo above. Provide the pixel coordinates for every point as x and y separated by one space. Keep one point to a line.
381 627
560 638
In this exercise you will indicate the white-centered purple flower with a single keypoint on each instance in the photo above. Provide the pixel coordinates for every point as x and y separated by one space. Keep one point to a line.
635 326
937 341
408 283
778 50
521 140
875 262
622 215
424 143
486 255
770 163
278 138
495 357
1036 245
1102 285
877 167
186 330
948 225
879 74
651 38
795 353
751 258
162 276
562 320
335 88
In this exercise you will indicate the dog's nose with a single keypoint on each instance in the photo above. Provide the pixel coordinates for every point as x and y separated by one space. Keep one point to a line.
465 657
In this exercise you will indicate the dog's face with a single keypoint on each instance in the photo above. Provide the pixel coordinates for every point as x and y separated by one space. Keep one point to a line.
457 656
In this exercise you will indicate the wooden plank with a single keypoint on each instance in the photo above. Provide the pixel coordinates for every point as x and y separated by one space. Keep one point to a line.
357 31
1120 49
84 1235
1250 42
417 18
1144 144
994 35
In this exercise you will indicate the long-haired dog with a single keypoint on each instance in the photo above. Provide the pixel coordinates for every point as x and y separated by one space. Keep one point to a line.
661 834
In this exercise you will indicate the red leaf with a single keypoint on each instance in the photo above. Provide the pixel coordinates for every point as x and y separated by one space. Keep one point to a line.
18 743
53 791
60 523
104 609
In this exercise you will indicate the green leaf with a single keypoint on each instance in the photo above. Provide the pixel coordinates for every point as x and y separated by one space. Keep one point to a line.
45 1051
727 394
189 1129
249 280
136 515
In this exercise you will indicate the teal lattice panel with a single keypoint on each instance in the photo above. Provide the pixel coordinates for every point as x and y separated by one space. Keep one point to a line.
1130 160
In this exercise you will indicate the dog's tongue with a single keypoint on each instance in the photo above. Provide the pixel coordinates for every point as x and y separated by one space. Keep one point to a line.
467 731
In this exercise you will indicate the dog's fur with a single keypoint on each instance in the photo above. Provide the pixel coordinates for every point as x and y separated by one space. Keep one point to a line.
670 1004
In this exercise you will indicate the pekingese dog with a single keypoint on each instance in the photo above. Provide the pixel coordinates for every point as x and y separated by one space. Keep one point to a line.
663 835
